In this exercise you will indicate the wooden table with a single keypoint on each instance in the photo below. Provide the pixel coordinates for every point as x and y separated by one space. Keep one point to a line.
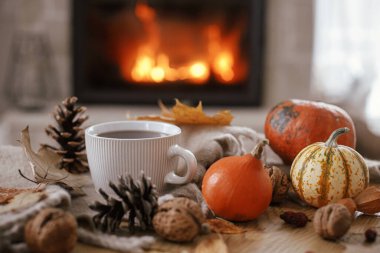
266 234
270 234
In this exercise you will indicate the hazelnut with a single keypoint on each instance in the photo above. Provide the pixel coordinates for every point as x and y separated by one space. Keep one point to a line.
51 231
332 221
179 220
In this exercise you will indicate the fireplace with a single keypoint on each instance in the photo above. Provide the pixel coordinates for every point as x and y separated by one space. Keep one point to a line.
140 51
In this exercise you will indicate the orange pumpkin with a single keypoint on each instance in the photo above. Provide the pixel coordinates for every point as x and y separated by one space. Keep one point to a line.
294 124
238 188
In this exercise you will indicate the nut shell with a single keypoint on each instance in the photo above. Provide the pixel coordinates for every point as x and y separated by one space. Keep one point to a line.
350 204
51 231
332 221
368 201
186 203
178 220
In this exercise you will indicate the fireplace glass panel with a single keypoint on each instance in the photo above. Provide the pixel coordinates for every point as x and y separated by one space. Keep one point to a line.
141 51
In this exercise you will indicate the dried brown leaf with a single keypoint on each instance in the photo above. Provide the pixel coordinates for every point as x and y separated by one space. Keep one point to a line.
75 191
45 168
49 156
157 118
188 115
222 226
22 200
195 116
165 112
7 194
211 244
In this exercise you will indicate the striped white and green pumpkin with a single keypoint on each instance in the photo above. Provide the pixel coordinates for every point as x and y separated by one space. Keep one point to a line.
324 173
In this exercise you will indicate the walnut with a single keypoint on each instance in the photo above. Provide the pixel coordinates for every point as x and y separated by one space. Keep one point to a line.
51 231
280 183
332 221
179 220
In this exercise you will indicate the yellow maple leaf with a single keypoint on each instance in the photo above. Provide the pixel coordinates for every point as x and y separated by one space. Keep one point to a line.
188 115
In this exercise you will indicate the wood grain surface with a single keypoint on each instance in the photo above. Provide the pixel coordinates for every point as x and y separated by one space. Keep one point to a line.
270 234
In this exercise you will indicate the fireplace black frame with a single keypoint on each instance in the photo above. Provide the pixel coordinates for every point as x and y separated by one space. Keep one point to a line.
247 95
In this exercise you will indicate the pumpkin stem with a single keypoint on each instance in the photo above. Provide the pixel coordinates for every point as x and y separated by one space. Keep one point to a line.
331 142
259 148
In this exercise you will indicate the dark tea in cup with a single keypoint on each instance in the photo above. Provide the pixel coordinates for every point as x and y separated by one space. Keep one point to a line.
132 134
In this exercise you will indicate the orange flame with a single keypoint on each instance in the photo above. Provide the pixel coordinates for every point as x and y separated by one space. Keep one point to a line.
154 65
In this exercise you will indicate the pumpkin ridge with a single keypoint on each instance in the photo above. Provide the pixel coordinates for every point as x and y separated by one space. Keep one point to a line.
325 175
348 181
302 171
363 166
298 157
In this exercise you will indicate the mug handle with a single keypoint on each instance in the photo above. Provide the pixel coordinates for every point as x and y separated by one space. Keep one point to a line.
191 165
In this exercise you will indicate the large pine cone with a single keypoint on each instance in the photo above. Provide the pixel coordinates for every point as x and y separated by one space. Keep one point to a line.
138 201
69 135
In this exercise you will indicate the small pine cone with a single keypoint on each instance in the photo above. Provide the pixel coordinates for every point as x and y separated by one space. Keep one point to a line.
109 215
280 184
69 135
138 201
139 198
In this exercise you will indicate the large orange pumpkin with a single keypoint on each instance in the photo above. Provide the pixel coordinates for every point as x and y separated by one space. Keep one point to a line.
294 124
238 188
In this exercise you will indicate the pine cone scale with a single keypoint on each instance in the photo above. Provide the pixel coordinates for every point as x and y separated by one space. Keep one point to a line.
66 135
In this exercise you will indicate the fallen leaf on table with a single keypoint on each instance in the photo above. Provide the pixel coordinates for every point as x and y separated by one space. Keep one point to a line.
211 244
187 115
222 226
45 169
43 166
22 200
164 110
72 182
7 194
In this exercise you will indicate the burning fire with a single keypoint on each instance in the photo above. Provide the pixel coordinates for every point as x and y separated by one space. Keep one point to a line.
157 69
154 65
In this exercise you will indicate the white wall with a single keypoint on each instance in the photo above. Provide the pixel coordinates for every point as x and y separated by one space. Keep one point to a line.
50 16
288 36
289 41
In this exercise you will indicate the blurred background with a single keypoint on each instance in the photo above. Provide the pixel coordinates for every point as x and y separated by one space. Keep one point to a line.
121 56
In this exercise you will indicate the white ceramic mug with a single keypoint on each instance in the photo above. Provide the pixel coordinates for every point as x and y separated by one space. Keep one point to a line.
109 158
